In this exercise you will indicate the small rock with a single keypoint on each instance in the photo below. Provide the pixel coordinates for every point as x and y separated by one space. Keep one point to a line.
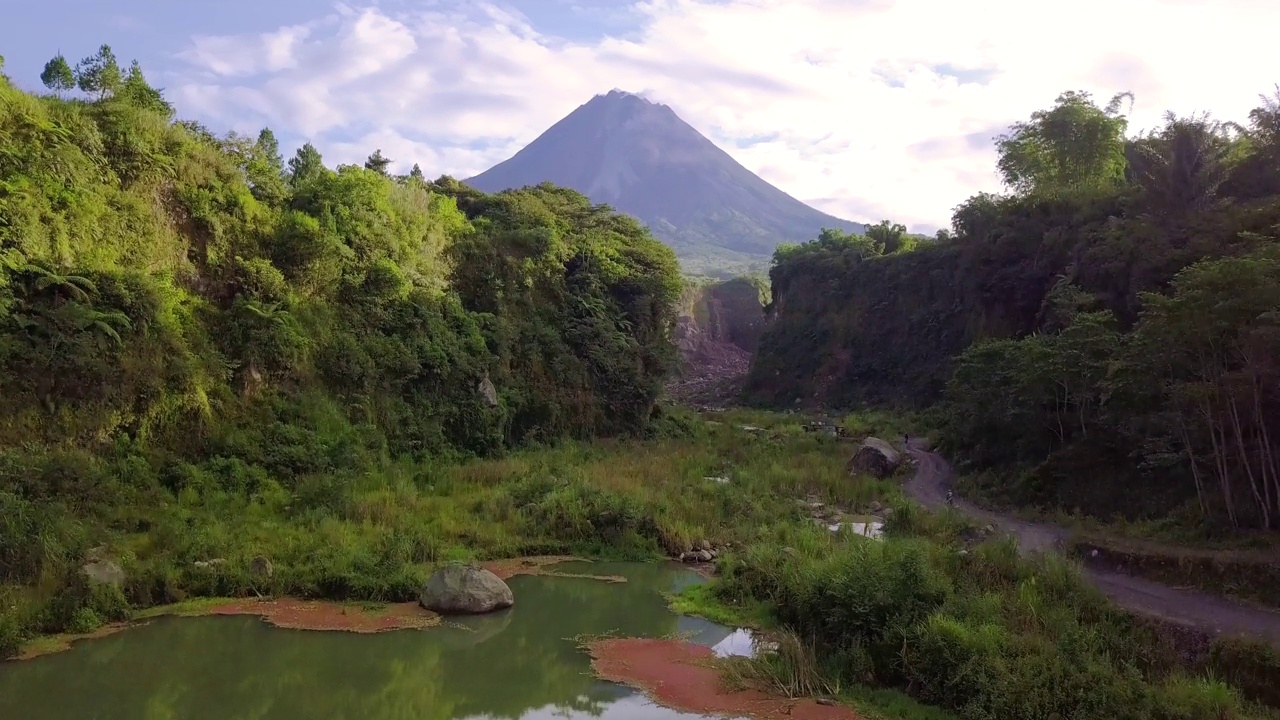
261 567
791 551
104 572
95 554
876 506
1093 553
704 545
209 563
826 701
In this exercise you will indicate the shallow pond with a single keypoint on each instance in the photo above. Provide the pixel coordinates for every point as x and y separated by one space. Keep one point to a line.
521 663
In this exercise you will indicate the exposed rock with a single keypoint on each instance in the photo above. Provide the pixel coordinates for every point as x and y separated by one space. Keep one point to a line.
465 589
875 457
261 567
488 392
95 553
704 545
215 562
876 506
104 572
697 556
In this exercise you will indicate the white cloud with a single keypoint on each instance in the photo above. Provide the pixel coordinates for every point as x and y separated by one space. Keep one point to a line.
875 108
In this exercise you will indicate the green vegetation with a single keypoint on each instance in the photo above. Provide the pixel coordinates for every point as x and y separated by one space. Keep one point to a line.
207 354
1101 341
976 631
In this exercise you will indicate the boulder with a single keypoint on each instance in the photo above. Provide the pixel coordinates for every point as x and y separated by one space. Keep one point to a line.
875 457
104 572
261 567
488 392
465 590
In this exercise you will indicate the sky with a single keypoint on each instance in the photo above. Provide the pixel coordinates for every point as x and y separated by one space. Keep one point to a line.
866 109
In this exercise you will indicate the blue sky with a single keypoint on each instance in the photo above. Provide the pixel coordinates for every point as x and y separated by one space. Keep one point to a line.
867 109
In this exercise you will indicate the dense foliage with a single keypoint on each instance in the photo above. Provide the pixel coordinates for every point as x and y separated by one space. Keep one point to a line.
183 315
1107 331
979 631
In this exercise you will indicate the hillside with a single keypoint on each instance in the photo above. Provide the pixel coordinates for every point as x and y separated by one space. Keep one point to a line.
642 159
193 335
1103 339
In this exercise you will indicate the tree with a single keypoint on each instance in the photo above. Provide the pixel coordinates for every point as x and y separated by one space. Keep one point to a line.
416 173
58 75
138 92
1181 167
1073 146
377 162
1210 348
977 217
888 237
265 169
305 165
99 73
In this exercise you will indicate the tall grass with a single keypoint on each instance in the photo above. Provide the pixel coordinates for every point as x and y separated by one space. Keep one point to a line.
983 634
373 529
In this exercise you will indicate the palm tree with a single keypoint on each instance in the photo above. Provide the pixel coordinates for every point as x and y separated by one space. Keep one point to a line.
1181 168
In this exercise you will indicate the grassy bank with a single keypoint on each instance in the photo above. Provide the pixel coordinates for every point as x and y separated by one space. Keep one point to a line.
376 534
977 632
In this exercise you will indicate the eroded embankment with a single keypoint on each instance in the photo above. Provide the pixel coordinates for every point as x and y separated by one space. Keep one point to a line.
681 676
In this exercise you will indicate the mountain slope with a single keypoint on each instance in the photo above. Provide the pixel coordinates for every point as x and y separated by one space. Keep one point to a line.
642 159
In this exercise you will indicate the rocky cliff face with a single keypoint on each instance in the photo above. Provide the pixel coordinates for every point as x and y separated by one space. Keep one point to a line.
718 330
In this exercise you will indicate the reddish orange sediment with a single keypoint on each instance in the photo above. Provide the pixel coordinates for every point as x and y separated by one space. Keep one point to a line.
541 565
296 614
679 675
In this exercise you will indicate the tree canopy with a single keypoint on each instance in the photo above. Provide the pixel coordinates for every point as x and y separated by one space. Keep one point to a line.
1101 338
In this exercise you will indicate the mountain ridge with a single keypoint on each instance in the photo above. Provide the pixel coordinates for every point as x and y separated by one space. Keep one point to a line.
641 158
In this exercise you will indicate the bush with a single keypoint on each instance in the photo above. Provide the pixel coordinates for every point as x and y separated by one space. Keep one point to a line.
984 634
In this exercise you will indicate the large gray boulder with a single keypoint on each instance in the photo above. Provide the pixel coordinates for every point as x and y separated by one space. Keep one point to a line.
465 590
104 572
875 457
488 392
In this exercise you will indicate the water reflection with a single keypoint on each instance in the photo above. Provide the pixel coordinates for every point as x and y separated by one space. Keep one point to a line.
522 663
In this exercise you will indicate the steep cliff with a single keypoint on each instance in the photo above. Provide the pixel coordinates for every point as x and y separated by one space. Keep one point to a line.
718 329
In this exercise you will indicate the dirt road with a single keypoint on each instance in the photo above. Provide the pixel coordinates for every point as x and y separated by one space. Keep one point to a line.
1186 607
